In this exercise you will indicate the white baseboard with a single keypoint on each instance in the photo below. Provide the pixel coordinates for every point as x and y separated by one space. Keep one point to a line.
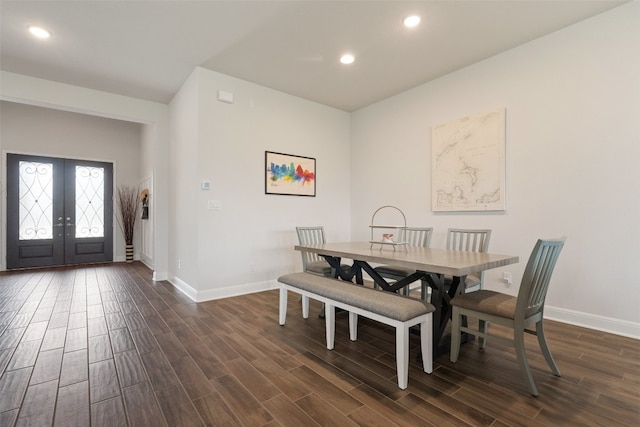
183 287
586 320
159 275
231 291
146 260
591 321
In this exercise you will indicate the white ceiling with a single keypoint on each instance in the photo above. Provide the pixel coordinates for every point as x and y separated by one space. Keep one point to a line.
146 49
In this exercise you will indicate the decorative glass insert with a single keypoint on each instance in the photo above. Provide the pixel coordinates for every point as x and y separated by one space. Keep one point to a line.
36 200
89 202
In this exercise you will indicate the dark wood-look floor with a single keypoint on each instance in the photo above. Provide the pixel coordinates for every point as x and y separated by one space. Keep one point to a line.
106 346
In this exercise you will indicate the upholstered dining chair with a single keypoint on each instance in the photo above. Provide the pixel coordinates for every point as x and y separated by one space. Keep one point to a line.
311 262
517 313
471 240
413 236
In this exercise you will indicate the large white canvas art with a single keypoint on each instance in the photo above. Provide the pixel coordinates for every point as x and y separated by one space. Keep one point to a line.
468 163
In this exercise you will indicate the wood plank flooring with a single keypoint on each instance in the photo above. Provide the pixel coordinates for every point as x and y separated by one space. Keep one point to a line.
106 346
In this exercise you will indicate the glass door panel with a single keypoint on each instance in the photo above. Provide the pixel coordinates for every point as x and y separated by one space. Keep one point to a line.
59 211
36 200
89 202
88 212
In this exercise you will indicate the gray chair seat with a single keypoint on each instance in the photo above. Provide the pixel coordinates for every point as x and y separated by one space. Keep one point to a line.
322 268
489 302
392 272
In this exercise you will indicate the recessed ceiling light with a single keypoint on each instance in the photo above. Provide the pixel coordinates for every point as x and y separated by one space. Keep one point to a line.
347 59
39 32
411 21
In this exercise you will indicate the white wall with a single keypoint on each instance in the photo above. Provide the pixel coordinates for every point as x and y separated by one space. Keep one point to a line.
26 129
249 242
183 224
148 157
572 100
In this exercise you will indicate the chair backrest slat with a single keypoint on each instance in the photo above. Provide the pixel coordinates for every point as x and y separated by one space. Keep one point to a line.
537 276
416 236
470 240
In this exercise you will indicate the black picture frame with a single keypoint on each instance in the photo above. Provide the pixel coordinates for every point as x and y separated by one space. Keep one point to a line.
289 174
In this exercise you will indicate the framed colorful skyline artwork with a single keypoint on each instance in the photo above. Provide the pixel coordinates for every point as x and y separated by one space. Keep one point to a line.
290 175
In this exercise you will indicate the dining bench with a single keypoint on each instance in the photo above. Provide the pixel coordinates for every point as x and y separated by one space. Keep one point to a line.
385 307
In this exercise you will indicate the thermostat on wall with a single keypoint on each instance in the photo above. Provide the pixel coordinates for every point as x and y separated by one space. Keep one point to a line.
206 185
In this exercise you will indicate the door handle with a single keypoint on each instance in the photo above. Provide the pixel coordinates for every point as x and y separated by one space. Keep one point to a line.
60 223
69 224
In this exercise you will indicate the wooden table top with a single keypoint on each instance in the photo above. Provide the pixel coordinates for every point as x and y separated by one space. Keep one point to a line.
442 261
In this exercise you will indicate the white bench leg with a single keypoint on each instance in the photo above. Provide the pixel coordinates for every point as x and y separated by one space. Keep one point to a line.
283 305
305 306
426 344
402 355
353 326
330 321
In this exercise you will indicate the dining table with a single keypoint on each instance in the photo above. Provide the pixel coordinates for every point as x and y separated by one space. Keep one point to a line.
430 265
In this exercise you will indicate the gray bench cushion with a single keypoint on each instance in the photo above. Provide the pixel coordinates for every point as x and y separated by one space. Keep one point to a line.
380 302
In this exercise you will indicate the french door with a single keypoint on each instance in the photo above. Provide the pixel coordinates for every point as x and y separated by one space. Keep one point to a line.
59 211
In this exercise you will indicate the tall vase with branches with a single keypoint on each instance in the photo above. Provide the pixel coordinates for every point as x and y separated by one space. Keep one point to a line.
128 204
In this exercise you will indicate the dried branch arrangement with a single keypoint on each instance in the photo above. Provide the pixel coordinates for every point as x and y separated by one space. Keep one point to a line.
128 202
